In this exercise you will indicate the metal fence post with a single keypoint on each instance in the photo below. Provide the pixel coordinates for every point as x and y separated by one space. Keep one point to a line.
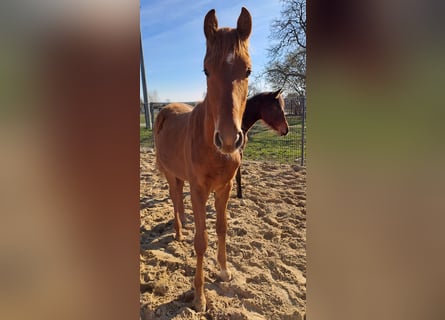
152 113
302 130
148 119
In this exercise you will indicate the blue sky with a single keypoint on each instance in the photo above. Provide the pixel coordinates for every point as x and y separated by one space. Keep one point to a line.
174 43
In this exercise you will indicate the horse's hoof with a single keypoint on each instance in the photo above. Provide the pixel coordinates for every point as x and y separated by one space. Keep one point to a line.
200 304
179 237
225 275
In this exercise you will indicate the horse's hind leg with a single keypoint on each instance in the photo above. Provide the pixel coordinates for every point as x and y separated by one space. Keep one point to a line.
180 186
221 199
239 193
175 189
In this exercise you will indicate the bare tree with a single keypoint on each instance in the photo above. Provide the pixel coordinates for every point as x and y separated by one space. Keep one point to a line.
289 31
287 64
153 96
252 89
289 73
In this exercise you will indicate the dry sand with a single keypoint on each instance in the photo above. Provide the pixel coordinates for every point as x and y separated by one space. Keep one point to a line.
266 248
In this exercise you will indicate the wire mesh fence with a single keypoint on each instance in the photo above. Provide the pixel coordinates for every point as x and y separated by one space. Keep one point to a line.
266 145
263 143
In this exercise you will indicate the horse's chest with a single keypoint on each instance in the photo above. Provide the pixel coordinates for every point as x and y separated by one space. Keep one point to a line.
217 170
222 171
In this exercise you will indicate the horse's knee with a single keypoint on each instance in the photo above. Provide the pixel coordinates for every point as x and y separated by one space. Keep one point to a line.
221 228
221 223
200 243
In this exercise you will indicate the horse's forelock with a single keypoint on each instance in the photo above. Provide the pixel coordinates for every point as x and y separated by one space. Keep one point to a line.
226 41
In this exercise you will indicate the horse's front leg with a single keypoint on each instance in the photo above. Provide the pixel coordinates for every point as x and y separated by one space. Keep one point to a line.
221 199
199 197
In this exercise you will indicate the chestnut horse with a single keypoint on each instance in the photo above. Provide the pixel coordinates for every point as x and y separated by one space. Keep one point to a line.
269 107
201 145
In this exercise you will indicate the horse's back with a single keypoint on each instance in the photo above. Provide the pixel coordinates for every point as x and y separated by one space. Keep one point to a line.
171 113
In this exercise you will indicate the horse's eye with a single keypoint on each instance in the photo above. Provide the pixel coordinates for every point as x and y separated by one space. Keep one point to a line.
248 72
206 72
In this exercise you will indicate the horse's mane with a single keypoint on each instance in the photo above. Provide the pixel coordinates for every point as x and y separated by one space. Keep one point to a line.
224 41
269 95
263 94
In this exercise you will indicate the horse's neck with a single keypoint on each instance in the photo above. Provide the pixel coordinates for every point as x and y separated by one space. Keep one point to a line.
204 120
251 115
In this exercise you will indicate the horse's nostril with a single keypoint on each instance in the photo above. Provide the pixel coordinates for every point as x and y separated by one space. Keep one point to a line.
239 139
218 140
286 131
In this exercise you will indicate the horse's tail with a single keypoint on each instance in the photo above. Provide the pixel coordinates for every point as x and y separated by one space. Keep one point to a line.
159 122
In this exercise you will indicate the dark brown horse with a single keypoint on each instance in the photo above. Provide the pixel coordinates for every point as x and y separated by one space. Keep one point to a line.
269 107
201 145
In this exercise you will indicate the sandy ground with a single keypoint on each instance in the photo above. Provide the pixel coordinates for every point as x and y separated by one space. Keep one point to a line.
266 244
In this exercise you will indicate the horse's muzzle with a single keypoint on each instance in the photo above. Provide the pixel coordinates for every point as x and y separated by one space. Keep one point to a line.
284 131
228 145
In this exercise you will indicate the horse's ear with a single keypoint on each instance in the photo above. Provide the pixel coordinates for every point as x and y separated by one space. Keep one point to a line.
277 93
244 25
210 24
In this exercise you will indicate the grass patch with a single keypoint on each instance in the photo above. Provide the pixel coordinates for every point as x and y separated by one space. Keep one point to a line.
146 137
264 144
